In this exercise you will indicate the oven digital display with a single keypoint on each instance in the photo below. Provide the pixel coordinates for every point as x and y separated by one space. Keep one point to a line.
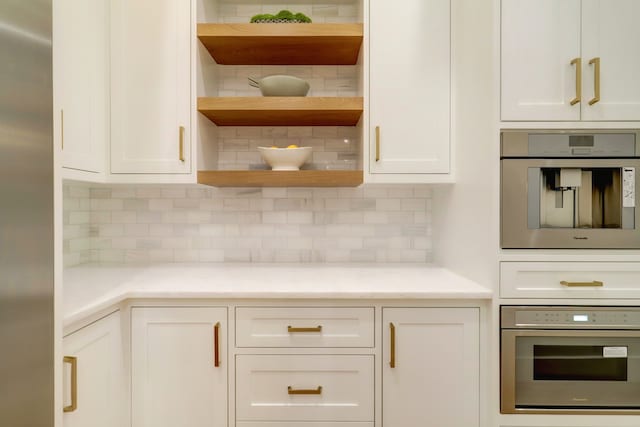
580 317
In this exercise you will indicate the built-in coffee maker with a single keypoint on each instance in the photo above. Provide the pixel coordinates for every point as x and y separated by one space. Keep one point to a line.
570 189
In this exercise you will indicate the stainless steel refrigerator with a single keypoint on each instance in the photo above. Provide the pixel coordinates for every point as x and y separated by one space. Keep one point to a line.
26 215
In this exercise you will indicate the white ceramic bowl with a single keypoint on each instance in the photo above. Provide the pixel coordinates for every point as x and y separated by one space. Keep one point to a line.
285 159
280 85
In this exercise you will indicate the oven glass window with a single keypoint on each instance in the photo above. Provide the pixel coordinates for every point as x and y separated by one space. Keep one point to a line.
578 363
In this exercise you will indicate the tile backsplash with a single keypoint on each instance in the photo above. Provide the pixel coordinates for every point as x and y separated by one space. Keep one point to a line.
190 223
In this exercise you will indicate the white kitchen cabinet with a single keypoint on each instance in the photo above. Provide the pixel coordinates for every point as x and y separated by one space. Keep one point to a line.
430 367
81 82
551 51
409 102
151 86
98 386
179 366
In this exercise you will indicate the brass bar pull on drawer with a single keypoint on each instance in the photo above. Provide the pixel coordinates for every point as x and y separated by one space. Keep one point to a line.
596 80
291 329
592 284
392 335
73 361
216 345
578 63
291 390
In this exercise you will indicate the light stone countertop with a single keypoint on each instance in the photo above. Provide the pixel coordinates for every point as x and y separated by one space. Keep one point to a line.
91 288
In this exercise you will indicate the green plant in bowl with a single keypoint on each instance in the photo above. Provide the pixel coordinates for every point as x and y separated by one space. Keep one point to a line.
281 17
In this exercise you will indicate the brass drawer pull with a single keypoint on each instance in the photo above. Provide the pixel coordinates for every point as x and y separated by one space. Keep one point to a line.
291 329
291 390
592 284
578 63
181 143
73 361
596 80
377 143
392 335
216 345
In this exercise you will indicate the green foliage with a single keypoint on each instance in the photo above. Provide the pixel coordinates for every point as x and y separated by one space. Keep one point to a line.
283 15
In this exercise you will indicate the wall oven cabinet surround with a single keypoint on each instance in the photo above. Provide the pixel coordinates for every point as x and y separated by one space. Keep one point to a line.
570 60
570 189
570 359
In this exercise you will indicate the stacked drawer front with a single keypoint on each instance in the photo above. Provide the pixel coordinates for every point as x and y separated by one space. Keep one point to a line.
304 390
570 279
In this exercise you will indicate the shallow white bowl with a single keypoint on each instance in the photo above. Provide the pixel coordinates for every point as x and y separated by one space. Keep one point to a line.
281 85
285 159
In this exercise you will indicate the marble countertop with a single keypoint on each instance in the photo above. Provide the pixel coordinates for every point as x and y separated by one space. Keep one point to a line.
91 288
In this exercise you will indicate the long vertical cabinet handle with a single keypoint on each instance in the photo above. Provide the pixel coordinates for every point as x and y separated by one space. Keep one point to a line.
596 80
578 64
216 345
392 339
73 361
62 129
377 143
181 149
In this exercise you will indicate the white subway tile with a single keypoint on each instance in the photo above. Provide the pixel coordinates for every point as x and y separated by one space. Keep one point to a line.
110 230
160 230
297 217
123 217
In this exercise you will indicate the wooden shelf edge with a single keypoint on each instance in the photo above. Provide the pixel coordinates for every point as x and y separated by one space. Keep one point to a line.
282 111
268 178
282 44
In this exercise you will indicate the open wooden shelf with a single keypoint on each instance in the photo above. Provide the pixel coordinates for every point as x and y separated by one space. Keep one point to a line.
282 44
282 111
269 178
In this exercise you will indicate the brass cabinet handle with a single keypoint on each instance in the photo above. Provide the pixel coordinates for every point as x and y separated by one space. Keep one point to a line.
377 143
73 361
181 153
291 329
578 63
291 390
392 335
62 129
596 80
216 345
592 284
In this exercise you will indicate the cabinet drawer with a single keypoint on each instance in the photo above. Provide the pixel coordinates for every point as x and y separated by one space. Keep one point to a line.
304 327
569 279
304 388
300 424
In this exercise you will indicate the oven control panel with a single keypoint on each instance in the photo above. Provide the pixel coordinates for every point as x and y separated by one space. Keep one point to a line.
562 317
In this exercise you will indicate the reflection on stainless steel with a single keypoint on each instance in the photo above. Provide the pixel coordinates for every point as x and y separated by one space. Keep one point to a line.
26 215
570 189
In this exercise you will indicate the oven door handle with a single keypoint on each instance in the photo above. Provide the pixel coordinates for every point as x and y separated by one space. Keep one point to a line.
592 284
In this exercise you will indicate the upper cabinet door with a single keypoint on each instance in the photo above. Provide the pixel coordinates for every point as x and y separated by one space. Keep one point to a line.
540 39
151 86
81 82
611 36
409 86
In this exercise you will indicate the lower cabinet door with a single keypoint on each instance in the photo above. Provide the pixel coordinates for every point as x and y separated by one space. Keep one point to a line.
179 366
93 375
304 388
431 373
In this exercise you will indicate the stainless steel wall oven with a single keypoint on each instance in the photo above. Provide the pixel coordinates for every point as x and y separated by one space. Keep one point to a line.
570 189
569 359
